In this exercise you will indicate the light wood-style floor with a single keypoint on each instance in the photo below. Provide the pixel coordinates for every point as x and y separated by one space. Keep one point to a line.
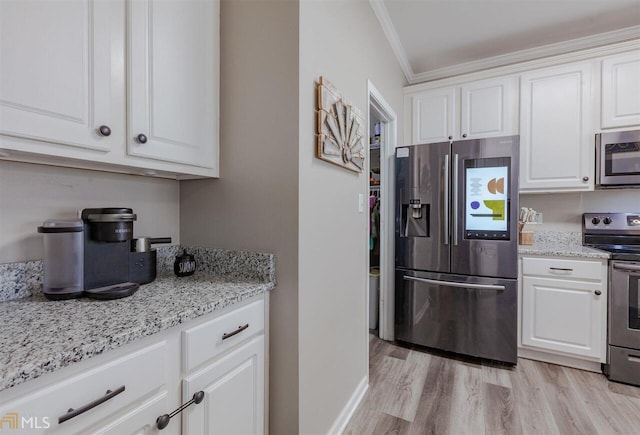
412 392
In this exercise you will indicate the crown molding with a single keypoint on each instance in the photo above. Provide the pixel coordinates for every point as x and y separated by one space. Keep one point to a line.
555 49
559 48
380 10
517 68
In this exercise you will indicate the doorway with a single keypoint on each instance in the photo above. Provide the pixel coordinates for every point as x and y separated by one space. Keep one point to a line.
382 122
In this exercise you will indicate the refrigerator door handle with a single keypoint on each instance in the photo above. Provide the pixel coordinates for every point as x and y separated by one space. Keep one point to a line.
454 201
456 284
445 200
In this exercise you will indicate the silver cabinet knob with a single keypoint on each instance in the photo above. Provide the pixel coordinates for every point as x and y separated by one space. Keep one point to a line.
464 135
104 130
598 292
141 138
450 137
585 179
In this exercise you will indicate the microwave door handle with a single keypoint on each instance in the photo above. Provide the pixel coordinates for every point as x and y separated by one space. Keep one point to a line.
628 267
445 200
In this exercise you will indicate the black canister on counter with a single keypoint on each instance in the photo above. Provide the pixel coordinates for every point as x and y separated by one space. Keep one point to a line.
185 264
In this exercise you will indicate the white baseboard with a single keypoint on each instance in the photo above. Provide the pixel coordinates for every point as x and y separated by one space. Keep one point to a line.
592 366
347 412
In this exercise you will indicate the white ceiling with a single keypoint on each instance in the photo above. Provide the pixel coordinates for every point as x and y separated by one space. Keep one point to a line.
439 38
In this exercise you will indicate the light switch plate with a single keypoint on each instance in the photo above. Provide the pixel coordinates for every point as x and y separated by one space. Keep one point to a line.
360 202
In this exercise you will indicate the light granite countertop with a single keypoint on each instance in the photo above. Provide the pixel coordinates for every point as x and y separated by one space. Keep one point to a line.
562 244
561 250
40 336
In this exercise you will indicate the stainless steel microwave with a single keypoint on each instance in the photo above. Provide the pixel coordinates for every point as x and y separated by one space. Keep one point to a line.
618 159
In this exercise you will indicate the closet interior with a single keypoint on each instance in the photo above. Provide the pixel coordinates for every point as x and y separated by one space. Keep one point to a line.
375 145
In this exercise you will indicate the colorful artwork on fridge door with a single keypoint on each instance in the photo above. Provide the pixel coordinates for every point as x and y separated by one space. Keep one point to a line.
487 198
339 129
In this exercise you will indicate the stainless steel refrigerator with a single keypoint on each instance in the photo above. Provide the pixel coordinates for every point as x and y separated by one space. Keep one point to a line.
457 246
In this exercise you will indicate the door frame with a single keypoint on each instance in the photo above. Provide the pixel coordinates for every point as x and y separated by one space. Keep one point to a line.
387 115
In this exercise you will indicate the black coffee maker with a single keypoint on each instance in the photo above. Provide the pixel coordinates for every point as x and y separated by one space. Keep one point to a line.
113 268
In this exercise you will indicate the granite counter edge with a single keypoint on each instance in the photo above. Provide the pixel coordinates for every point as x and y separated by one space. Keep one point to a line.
578 252
34 369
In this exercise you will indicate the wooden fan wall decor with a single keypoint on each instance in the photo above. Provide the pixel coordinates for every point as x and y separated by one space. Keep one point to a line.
339 129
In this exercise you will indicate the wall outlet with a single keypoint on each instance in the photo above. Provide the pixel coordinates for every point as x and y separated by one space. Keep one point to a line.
360 202
539 217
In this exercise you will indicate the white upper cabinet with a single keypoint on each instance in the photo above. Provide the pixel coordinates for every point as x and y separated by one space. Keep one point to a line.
481 109
173 76
556 128
433 115
146 71
489 108
56 79
621 90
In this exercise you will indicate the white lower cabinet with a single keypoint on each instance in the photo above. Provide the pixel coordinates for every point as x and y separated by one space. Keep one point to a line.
564 306
233 389
124 391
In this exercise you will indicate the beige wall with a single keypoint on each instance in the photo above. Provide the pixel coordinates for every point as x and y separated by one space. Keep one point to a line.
563 211
342 41
254 204
30 194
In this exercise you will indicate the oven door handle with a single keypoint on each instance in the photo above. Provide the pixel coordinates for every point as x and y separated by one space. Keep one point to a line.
629 267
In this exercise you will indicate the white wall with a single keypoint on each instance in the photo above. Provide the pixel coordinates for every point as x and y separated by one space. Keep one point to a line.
563 211
254 204
342 41
30 194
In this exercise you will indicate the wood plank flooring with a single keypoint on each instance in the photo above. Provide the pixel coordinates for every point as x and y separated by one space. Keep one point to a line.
413 392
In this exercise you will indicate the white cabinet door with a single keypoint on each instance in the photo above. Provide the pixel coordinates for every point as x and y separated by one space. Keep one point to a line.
56 79
564 316
173 81
433 116
234 394
621 90
488 108
556 131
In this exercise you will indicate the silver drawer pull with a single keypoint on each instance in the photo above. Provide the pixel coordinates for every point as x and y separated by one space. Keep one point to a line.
561 269
633 359
237 331
71 413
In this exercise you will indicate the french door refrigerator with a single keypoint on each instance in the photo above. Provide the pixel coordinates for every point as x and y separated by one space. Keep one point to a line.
457 246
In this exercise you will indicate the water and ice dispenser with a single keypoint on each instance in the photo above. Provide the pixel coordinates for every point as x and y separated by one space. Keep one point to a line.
415 218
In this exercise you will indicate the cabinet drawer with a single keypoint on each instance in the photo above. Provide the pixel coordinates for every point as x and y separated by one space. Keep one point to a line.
205 341
140 373
562 268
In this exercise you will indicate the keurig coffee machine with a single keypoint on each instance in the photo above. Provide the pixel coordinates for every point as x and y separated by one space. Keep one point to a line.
107 235
115 264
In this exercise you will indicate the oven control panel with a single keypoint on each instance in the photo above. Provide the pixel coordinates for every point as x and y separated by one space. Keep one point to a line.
611 222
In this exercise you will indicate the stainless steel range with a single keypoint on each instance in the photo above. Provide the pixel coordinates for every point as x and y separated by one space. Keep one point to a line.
619 234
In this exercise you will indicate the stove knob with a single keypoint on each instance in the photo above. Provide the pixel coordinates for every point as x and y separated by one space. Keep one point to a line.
606 220
595 220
